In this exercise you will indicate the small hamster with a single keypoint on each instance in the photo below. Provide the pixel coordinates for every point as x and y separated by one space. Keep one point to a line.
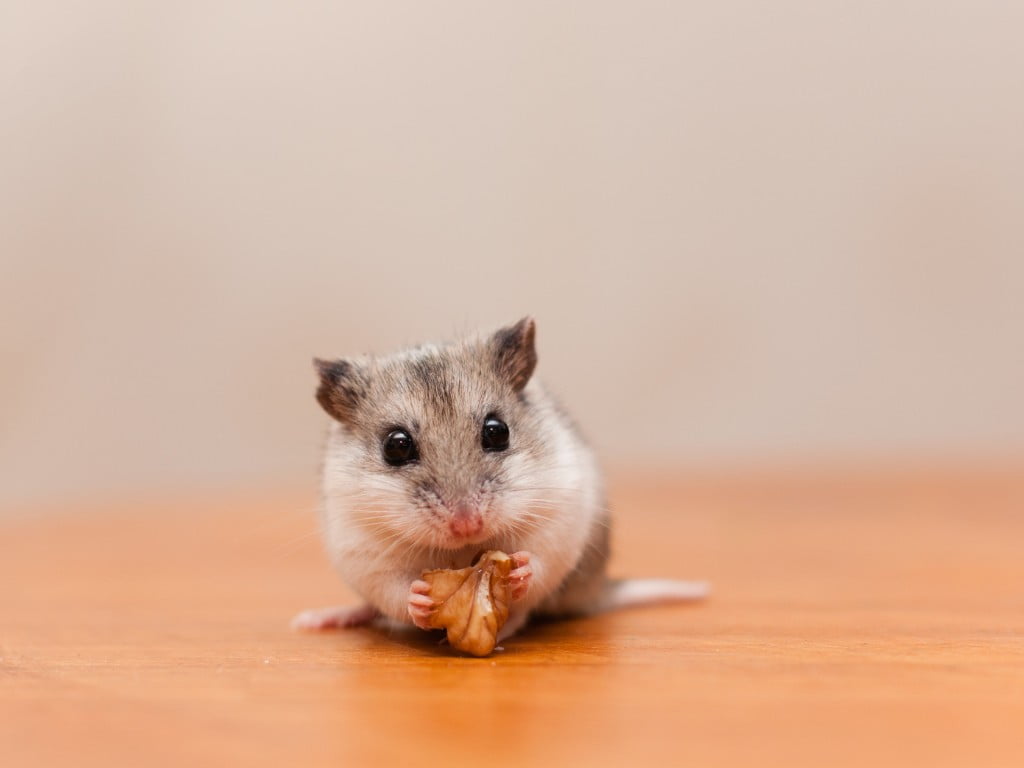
441 451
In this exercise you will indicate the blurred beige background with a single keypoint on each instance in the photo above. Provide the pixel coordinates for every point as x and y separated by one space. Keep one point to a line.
750 232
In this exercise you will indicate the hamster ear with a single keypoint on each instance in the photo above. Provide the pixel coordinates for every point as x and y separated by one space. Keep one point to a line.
342 386
515 356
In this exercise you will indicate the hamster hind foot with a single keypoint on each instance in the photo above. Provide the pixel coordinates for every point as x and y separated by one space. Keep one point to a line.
338 617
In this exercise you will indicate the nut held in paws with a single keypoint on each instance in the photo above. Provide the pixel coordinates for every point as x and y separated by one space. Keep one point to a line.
472 603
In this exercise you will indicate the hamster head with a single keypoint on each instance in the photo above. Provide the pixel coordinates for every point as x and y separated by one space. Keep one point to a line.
442 447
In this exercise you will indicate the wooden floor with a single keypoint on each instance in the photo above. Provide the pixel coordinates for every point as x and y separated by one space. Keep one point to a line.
857 619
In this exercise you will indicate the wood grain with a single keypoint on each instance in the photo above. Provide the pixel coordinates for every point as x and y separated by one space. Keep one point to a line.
858 618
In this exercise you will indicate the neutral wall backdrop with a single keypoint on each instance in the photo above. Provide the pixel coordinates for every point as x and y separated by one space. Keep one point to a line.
750 232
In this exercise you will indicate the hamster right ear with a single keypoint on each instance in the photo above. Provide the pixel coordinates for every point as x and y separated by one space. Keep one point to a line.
342 386
515 353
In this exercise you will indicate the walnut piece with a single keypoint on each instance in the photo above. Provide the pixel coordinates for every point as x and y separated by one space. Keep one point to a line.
472 603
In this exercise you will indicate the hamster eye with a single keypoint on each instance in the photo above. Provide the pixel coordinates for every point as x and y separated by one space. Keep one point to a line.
399 448
494 436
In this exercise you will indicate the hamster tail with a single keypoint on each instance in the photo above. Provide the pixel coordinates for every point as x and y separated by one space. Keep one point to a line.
622 593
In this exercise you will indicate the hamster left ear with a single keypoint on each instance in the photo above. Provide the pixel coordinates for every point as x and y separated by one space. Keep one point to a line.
515 355
341 388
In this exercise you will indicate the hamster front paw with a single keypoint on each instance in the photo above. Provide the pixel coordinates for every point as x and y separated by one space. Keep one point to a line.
522 573
421 605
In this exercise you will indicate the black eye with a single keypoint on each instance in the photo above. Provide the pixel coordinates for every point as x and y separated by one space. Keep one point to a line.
494 436
399 448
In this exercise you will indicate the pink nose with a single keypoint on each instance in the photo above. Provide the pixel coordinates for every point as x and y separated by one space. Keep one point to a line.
466 521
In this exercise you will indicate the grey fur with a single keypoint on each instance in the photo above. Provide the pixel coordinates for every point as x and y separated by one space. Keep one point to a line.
543 494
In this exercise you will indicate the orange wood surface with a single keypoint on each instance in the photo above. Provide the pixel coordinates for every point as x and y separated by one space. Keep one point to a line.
857 619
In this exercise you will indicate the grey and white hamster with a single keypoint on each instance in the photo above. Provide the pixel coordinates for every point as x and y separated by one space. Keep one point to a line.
441 451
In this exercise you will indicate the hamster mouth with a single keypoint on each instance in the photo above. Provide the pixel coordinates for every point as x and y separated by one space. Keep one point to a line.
461 538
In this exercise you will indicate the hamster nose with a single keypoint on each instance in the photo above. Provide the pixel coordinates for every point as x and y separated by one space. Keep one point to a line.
466 521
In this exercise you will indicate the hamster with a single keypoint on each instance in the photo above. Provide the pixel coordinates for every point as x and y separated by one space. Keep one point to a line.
438 452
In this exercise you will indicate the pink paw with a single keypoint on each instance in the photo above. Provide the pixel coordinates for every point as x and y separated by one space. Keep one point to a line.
330 618
521 574
421 605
